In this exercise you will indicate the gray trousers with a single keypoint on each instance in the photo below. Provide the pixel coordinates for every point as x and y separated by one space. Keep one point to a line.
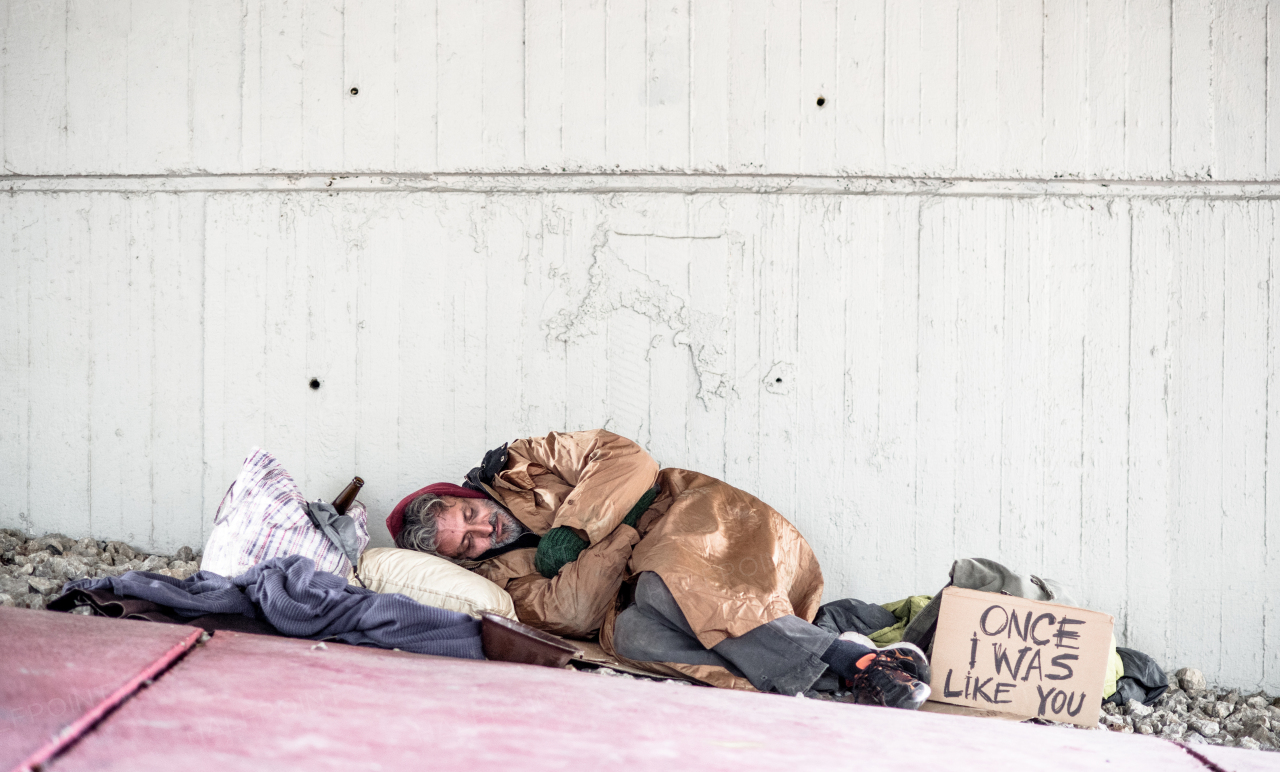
781 656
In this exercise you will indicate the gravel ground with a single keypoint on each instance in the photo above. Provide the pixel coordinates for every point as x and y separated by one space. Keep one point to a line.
33 570
1193 713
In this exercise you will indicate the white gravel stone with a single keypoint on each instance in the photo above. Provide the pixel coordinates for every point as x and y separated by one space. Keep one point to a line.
153 563
1189 678
1253 720
1174 729
1262 735
1205 728
1218 709
44 586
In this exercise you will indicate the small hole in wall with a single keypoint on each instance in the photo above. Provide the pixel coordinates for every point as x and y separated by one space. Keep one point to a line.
354 91
777 380
822 101
315 383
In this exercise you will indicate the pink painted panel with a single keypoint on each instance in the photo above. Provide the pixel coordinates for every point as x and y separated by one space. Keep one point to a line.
59 673
244 702
1238 759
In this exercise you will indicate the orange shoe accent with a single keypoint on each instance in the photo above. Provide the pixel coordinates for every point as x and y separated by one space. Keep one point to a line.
865 660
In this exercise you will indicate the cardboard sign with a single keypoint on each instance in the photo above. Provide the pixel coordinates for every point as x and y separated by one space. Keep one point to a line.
1022 657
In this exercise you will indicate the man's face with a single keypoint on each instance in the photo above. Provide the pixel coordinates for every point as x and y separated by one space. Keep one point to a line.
467 528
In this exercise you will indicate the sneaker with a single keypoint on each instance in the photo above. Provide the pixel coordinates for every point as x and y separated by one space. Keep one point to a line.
913 660
886 680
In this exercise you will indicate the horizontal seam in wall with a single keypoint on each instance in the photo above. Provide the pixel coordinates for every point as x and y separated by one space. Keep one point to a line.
685 184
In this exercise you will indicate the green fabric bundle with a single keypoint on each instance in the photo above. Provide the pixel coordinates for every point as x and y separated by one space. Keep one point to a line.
561 546
905 610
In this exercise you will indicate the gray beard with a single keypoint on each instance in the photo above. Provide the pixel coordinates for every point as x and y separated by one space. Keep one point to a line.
511 527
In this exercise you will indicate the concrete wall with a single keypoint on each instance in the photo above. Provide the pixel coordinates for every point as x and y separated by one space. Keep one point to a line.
1006 293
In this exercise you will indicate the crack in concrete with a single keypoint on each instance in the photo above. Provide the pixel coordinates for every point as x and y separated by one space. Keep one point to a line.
613 286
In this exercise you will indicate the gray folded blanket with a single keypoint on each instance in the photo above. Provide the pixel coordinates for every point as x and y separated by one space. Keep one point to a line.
302 602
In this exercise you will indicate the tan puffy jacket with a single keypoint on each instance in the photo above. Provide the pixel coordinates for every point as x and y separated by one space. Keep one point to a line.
730 560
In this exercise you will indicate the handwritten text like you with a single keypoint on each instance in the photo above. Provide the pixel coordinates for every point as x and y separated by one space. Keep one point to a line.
1045 634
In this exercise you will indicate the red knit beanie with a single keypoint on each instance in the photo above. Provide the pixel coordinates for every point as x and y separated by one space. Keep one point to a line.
395 520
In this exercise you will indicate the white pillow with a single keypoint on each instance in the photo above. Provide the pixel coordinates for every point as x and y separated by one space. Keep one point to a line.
432 581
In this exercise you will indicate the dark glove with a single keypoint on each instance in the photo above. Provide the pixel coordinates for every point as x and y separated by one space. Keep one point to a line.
494 461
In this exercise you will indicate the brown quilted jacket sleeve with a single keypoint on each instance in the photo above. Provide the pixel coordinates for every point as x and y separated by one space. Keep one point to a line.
575 601
608 473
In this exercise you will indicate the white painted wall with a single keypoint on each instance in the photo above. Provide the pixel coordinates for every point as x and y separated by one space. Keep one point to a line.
1008 293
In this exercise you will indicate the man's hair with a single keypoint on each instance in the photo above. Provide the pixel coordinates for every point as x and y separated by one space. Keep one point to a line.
419 529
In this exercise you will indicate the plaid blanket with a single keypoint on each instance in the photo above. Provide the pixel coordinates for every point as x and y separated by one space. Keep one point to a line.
264 516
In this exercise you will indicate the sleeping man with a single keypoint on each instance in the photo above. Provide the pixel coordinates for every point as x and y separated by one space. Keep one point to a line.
674 570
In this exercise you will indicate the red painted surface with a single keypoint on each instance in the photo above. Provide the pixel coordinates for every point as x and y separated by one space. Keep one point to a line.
59 673
243 702
1238 759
